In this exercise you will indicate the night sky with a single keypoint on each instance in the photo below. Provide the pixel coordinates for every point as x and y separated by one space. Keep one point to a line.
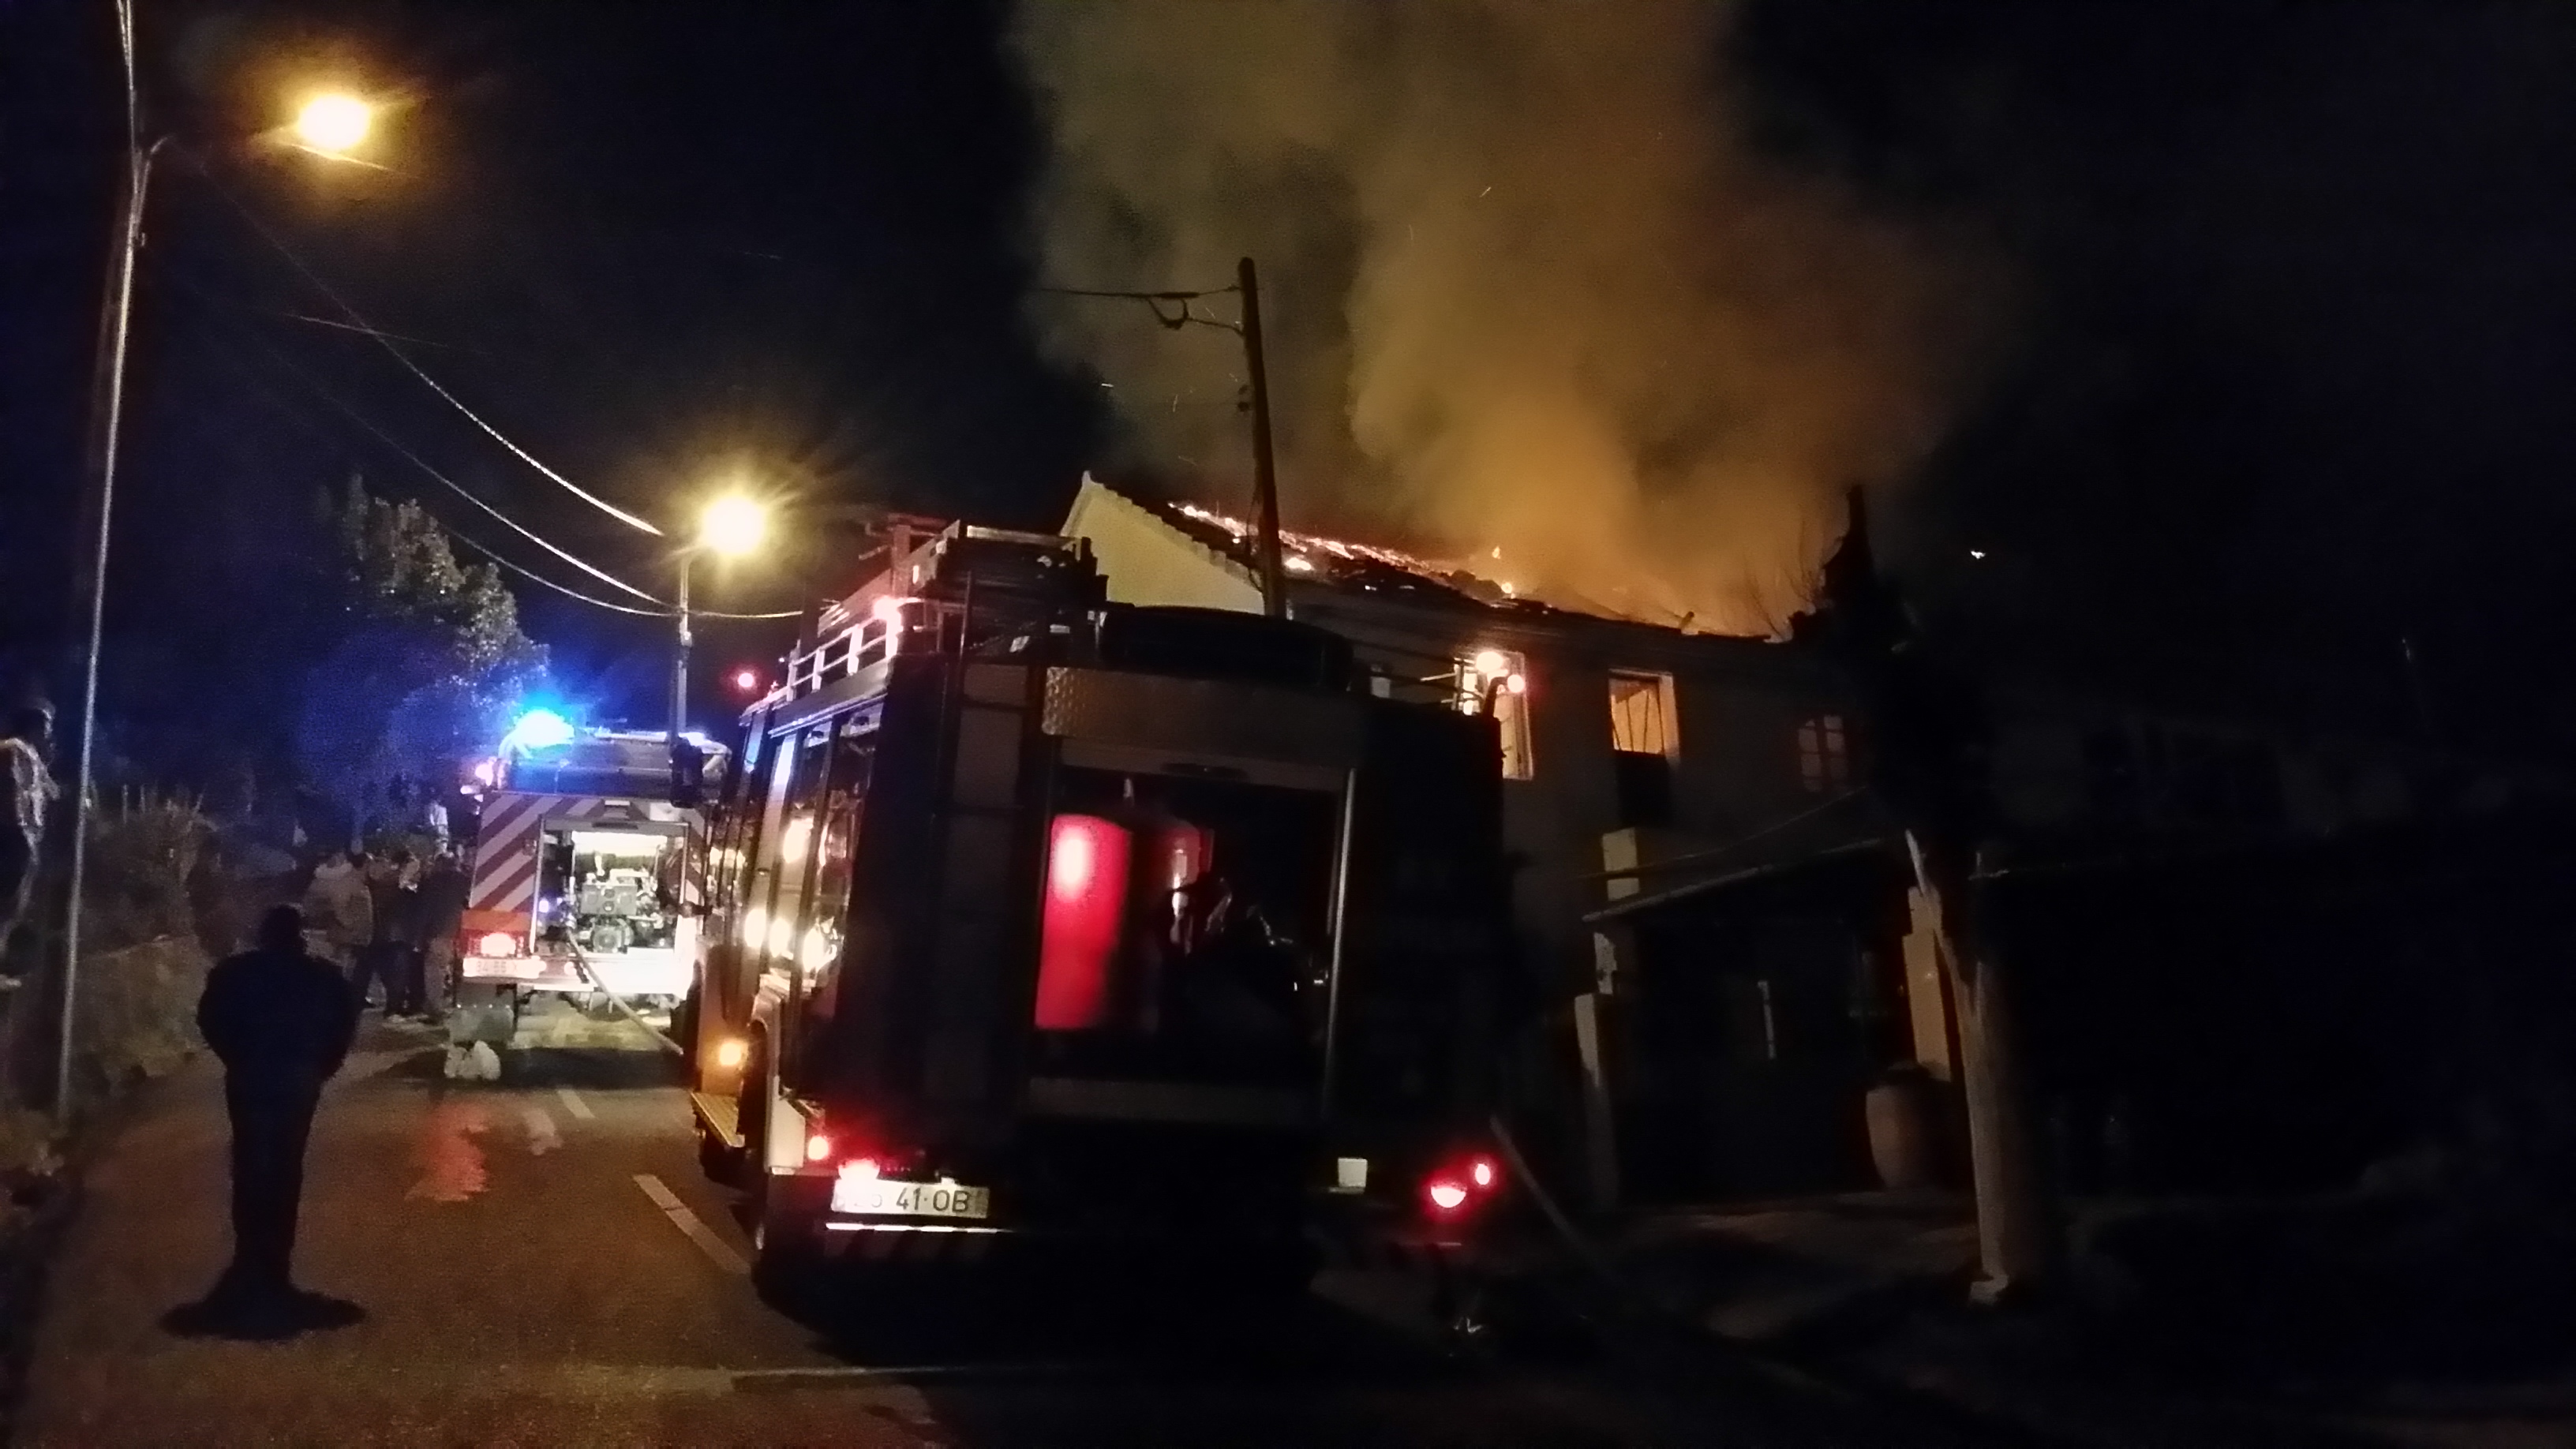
2284 381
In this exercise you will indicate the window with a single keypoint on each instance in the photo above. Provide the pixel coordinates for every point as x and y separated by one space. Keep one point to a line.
1495 682
818 942
1824 755
1643 744
1641 714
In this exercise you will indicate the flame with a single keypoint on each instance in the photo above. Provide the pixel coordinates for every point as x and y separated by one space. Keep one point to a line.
1311 549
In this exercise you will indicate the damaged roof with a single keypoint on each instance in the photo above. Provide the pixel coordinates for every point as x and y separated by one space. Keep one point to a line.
1366 567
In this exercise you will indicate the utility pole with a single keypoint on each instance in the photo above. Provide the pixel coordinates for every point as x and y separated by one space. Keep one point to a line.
1923 725
1265 474
680 658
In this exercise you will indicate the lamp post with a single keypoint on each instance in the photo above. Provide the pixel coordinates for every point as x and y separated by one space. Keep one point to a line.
731 526
329 124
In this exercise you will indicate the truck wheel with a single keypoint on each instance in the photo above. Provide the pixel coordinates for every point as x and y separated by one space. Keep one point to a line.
788 1268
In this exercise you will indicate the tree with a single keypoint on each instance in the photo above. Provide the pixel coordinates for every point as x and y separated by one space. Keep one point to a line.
424 663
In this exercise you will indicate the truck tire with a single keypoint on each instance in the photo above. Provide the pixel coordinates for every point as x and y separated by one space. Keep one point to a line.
788 1269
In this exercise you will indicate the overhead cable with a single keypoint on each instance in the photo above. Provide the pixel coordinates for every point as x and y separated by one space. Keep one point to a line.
383 340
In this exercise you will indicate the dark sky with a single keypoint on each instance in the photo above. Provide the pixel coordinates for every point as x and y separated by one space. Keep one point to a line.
2292 338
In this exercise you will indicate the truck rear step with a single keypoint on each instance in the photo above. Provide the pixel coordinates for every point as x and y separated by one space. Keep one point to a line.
718 1116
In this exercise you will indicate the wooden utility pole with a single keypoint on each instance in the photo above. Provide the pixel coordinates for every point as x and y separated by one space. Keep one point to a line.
1923 724
1265 476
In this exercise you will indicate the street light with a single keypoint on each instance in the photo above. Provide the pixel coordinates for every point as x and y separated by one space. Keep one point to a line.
730 526
329 124
334 122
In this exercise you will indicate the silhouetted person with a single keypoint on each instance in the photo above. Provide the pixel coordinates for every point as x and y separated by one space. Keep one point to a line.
26 788
281 1020
443 888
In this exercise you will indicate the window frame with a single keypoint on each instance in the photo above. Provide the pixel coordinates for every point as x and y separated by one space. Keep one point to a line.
1824 753
1665 711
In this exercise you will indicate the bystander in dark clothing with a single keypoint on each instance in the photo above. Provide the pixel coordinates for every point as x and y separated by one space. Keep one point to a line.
442 916
388 884
281 1021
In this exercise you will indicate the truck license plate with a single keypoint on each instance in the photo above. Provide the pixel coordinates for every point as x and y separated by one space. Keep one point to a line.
910 1199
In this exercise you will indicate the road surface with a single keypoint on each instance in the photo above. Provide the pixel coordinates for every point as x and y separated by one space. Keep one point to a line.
539 1262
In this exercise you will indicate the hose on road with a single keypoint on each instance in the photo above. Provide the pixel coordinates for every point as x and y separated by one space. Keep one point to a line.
581 964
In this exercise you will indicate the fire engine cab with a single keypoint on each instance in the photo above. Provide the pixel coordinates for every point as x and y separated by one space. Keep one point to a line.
1039 922
579 877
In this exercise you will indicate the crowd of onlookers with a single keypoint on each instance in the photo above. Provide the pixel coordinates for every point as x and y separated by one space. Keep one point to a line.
390 921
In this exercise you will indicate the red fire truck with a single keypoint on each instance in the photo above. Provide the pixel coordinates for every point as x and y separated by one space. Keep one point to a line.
1043 922
580 878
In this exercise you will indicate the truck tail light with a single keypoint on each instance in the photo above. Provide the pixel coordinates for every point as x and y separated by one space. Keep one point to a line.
732 1052
1458 1185
818 1148
497 943
861 1167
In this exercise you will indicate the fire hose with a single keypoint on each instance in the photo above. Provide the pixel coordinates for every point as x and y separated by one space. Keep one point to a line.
581 964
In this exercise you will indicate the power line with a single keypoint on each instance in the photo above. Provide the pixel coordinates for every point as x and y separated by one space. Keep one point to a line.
532 576
661 609
1154 303
457 535
451 484
382 340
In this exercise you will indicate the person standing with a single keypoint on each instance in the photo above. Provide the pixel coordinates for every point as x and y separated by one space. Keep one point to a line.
398 921
339 911
29 788
442 917
281 1022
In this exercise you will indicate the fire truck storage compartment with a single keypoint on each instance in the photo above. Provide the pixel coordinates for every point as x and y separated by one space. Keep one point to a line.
1185 928
607 891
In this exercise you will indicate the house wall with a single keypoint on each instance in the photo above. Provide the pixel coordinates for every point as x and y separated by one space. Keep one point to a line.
1148 563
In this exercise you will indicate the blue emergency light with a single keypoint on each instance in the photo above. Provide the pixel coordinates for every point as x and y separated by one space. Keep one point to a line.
538 729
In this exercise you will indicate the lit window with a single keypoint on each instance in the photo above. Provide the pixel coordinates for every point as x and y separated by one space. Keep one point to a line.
1495 681
1641 714
1824 755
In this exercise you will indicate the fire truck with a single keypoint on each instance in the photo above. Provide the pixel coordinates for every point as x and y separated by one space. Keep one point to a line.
579 878
1039 923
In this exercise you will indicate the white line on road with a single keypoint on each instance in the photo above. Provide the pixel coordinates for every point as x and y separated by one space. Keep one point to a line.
542 1136
574 1104
687 1222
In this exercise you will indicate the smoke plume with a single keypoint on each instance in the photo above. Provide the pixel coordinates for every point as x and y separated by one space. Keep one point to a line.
1528 288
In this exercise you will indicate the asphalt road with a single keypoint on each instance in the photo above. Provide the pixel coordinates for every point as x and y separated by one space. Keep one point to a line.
539 1262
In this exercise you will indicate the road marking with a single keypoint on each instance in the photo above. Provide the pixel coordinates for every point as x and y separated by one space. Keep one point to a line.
574 1104
542 1136
716 1249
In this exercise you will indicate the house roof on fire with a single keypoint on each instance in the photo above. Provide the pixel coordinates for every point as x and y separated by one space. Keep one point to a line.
1313 559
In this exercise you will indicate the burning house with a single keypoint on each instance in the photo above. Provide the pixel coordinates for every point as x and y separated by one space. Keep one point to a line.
1712 912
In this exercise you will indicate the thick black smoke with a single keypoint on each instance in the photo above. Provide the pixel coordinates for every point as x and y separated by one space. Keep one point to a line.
1529 287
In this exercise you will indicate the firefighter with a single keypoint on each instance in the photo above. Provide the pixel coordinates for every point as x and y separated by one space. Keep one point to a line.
281 1022
28 788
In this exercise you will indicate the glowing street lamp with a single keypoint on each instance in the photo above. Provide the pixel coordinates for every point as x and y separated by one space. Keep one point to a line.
330 124
334 122
730 526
